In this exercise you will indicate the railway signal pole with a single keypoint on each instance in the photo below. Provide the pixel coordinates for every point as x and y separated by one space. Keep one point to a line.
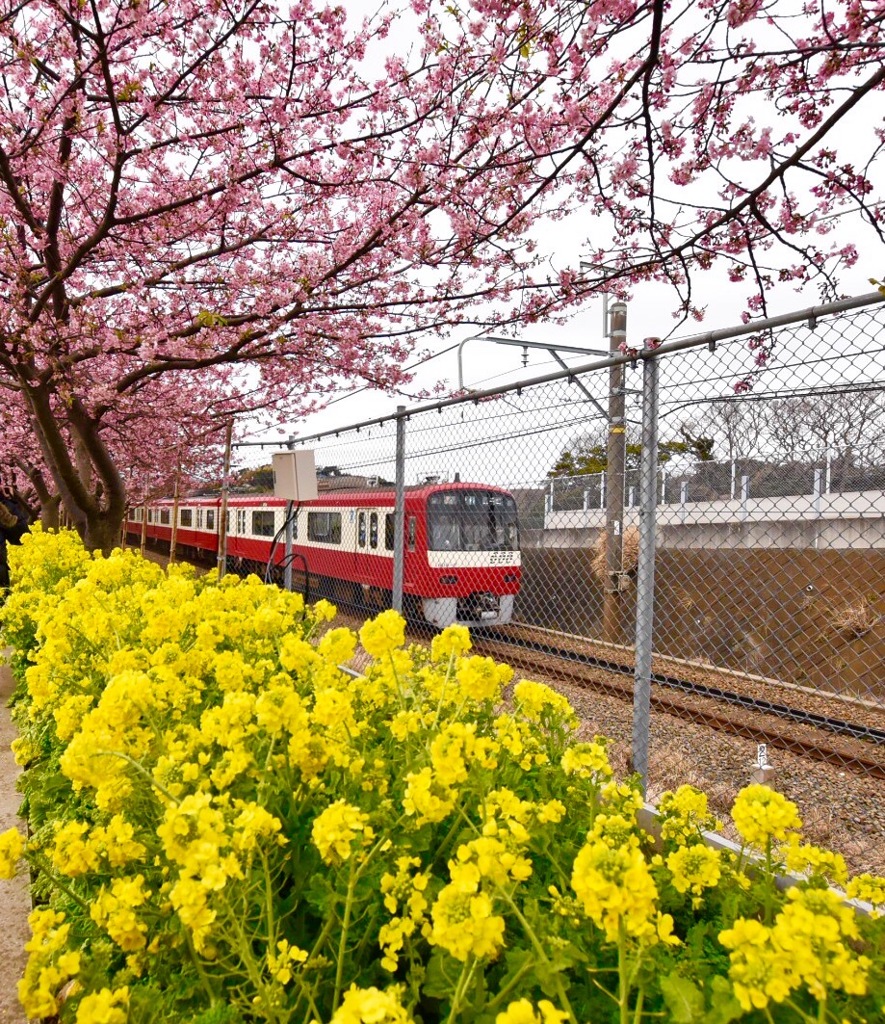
616 458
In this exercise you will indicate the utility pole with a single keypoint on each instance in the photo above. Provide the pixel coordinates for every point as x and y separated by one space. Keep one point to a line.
616 456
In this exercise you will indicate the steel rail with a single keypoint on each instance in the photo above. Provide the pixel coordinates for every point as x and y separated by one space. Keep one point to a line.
835 725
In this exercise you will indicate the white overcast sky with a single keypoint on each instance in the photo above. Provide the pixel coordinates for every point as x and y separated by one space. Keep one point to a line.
487 365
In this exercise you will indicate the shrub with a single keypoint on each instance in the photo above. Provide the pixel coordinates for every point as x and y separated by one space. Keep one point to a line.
227 827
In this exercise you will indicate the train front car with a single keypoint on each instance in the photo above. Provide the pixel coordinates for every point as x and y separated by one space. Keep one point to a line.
473 559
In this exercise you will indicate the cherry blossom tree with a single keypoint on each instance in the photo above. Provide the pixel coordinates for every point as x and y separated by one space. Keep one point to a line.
270 193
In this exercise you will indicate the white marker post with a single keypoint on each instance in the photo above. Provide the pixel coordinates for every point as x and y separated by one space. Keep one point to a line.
761 771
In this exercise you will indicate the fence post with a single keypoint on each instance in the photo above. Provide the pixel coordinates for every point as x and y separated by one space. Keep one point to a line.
144 521
222 511
399 511
645 573
289 536
173 542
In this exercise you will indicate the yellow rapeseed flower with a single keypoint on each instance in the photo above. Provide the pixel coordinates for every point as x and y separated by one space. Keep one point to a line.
521 1011
451 642
336 829
615 888
694 868
12 846
684 815
811 945
426 797
383 634
480 679
372 1006
464 924
104 1007
869 888
536 701
761 815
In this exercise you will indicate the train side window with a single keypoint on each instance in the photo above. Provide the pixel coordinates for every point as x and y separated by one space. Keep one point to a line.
388 531
324 527
241 521
361 530
263 523
413 530
186 516
164 516
210 518
373 530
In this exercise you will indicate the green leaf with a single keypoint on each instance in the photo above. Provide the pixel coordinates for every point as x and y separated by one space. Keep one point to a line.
724 1008
683 998
561 957
442 975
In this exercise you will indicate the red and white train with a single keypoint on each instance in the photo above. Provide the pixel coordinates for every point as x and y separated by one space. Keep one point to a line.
461 559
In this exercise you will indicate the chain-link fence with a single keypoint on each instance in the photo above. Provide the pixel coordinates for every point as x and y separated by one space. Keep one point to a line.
699 557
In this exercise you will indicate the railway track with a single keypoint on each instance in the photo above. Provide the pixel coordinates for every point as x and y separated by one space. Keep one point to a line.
855 746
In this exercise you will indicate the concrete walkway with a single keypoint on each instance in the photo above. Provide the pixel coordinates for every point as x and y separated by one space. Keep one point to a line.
15 903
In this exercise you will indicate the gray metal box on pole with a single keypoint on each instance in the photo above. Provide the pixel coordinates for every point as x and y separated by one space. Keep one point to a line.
294 476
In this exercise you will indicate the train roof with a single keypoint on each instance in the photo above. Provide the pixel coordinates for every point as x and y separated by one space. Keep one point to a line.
338 496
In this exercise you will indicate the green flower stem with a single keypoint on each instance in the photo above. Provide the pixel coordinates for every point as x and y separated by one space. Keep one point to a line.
801 1013
267 774
268 901
43 865
623 975
442 692
403 703
198 966
463 984
321 938
539 952
141 770
509 987
305 992
342 942
244 948
640 998
769 882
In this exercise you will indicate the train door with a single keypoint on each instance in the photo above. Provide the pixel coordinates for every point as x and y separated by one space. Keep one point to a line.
369 524
372 573
362 542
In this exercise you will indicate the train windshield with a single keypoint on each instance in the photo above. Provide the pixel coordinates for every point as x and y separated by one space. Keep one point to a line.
471 521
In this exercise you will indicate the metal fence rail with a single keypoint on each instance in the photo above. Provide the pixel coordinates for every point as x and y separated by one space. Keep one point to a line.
739 532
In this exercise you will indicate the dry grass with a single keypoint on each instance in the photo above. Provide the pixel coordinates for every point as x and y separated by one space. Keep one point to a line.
629 554
853 620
